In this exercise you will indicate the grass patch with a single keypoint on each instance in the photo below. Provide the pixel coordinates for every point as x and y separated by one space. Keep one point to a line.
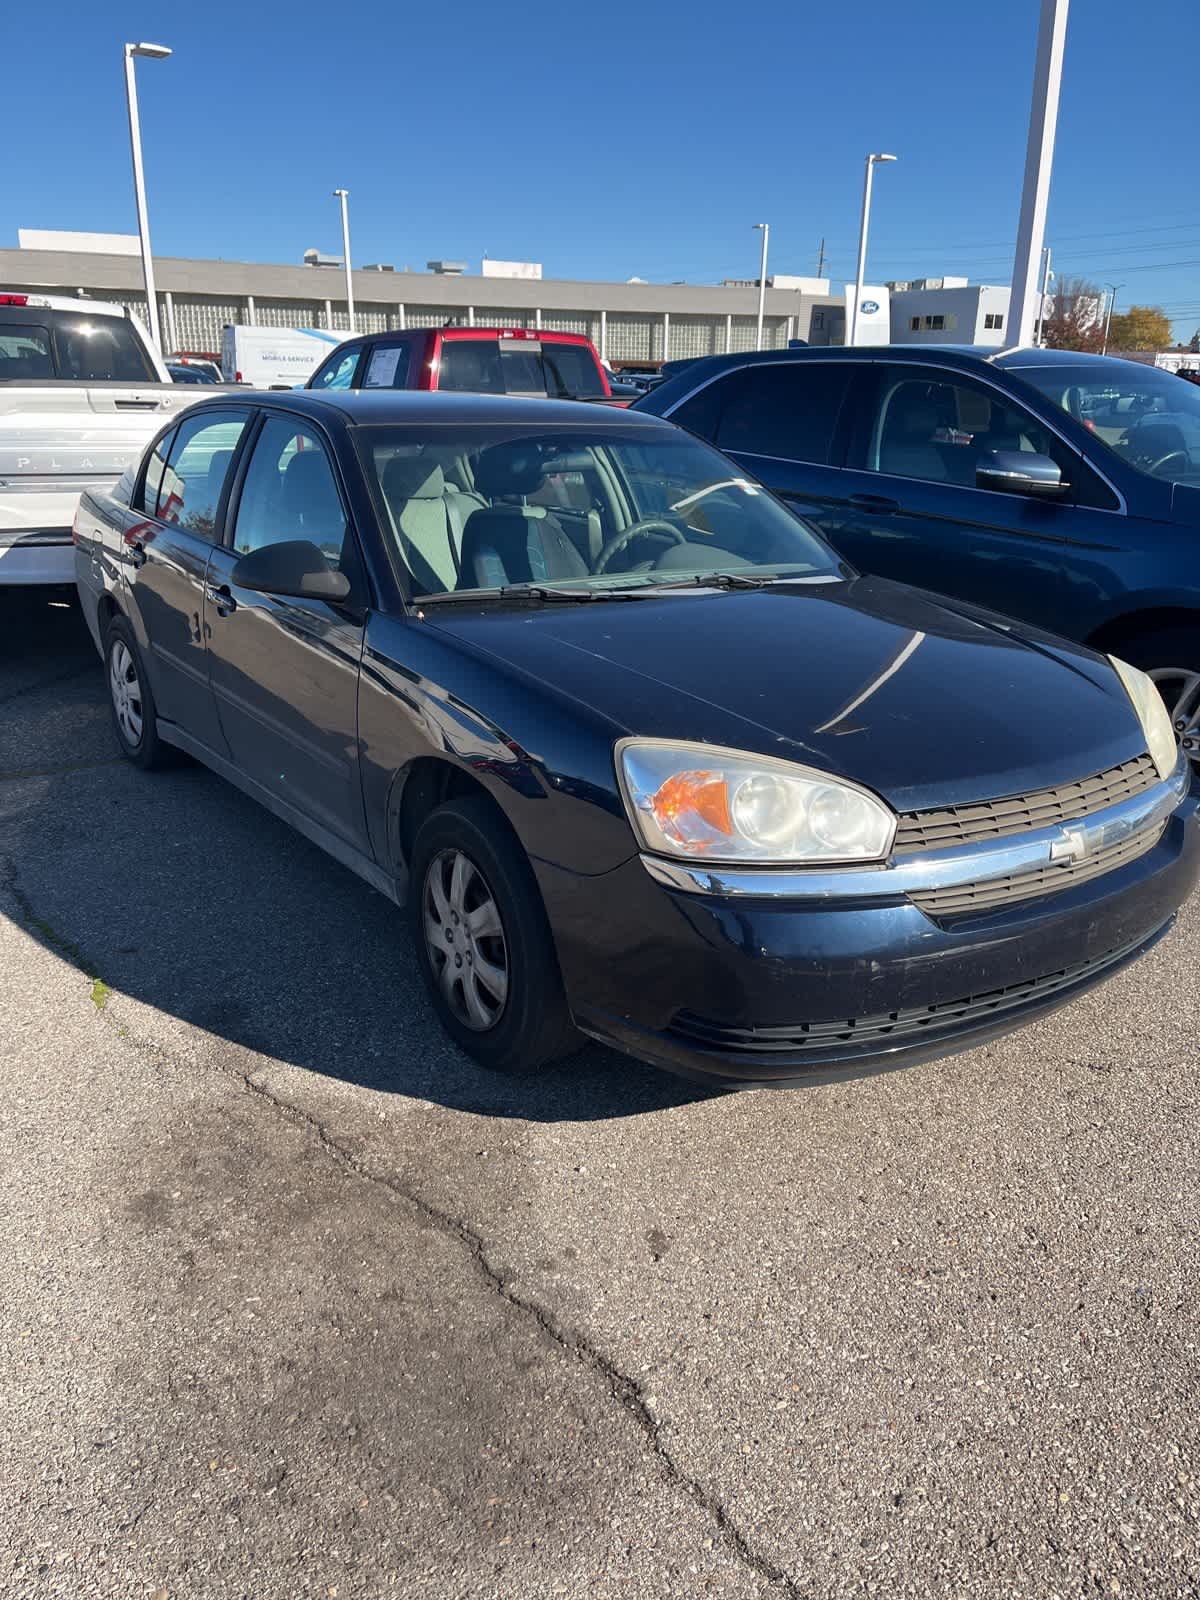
100 993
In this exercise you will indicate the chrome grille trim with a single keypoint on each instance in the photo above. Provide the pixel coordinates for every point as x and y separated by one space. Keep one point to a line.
969 899
919 831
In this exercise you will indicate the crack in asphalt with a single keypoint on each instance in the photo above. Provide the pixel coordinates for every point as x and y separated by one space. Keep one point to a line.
624 1390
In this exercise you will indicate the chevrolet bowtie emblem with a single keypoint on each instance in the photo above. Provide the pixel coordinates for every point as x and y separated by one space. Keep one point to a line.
1072 846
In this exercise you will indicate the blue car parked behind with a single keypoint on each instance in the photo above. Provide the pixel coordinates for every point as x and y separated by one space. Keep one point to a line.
1063 489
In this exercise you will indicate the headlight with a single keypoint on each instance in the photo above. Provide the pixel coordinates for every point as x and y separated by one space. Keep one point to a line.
1152 714
700 801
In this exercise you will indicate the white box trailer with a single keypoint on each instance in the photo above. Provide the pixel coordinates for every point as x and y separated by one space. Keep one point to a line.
273 358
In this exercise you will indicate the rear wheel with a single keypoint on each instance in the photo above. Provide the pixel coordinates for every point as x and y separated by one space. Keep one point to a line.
131 699
1172 659
483 941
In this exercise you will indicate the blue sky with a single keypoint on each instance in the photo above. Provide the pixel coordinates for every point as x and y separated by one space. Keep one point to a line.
632 138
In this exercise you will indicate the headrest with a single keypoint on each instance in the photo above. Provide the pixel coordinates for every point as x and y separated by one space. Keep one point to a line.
306 479
412 478
918 421
508 469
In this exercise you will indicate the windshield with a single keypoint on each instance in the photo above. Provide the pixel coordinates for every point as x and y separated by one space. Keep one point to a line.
1150 418
518 366
606 509
64 344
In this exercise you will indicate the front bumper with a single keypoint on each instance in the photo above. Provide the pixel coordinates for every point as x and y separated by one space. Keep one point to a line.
716 981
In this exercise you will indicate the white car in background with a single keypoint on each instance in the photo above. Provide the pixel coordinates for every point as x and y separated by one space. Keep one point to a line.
82 389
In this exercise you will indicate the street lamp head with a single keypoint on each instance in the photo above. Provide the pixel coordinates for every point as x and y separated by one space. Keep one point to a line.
762 225
156 52
883 157
341 194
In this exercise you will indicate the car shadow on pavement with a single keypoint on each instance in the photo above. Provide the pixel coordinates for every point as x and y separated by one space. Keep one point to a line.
177 890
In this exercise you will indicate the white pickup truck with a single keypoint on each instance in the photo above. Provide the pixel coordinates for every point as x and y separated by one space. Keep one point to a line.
81 391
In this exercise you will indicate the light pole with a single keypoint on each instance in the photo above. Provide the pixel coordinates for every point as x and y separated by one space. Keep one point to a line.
343 195
1039 159
156 52
762 281
863 228
1112 296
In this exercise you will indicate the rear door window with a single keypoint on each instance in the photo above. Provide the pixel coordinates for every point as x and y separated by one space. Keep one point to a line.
387 366
789 410
196 471
147 500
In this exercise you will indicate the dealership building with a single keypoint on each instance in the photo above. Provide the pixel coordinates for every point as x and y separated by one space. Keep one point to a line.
631 322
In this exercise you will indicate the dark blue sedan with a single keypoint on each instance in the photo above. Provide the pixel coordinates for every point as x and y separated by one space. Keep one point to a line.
643 757
1063 489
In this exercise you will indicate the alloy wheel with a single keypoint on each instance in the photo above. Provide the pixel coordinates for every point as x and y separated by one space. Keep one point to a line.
126 690
465 940
1180 689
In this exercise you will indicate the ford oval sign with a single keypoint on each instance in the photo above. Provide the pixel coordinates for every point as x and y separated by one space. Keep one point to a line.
869 307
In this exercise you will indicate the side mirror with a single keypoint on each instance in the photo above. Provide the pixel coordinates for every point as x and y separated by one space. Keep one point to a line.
1020 472
295 567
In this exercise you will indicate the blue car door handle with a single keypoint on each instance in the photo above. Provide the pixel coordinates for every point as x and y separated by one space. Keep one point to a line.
878 503
221 598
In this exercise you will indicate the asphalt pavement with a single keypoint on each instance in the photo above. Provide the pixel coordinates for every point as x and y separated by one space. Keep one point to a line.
295 1301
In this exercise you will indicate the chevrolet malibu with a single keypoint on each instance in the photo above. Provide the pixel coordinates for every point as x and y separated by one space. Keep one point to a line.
643 758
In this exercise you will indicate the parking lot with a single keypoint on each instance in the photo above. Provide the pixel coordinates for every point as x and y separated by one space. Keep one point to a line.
295 1301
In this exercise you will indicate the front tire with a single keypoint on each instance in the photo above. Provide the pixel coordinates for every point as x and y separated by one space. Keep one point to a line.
131 699
483 941
1172 659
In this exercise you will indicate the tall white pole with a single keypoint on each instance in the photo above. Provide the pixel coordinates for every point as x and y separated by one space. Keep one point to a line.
1039 160
343 195
864 227
762 282
139 183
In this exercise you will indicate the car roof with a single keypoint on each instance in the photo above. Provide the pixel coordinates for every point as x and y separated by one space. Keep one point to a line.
458 330
417 407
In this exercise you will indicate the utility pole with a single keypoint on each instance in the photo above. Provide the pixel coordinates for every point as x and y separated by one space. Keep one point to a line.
1039 161
821 259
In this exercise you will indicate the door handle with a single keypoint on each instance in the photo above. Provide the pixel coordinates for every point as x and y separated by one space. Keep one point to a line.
220 598
137 553
878 503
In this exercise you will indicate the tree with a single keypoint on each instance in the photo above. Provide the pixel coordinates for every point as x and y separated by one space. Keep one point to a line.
1074 319
1140 328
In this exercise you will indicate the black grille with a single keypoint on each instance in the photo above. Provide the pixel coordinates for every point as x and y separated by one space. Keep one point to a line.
893 1028
996 819
963 899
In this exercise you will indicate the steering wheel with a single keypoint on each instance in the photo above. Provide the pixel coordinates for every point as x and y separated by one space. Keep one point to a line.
1171 455
650 527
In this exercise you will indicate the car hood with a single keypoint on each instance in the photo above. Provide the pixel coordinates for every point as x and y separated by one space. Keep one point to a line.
926 701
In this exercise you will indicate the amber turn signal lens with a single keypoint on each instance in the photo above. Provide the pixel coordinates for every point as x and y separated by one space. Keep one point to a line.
698 794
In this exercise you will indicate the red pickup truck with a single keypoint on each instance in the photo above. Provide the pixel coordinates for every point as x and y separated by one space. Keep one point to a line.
523 361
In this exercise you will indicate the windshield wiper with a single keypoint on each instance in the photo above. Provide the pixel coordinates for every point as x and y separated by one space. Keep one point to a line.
525 591
716 580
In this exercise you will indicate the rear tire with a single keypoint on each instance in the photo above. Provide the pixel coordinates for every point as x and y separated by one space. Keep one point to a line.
131 700
484 944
